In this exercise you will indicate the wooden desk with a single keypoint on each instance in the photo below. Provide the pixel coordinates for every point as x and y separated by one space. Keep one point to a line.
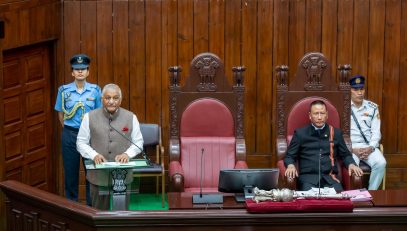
29 208
389 198
381 198
183 200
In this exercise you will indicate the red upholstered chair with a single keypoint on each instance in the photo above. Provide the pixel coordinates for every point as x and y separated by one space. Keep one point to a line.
206 125
312 81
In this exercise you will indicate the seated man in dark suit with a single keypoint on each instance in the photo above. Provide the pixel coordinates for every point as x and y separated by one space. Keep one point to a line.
313 142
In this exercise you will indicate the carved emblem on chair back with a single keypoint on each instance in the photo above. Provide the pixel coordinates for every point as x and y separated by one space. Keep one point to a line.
313 78
315 67
206 67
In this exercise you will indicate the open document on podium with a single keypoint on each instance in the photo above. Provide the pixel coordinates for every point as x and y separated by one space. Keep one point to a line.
113 164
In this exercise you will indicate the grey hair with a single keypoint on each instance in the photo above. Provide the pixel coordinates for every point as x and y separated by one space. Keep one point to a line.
113 87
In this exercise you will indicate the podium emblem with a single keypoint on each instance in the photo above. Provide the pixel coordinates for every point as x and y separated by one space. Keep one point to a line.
118 177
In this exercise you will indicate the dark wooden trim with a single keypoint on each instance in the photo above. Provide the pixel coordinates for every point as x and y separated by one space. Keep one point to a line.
35 207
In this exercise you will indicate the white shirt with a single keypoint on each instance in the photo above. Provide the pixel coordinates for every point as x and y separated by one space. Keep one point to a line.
369 121
84 148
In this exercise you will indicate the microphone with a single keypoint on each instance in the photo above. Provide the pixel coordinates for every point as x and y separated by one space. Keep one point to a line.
215 198
143 153
200 183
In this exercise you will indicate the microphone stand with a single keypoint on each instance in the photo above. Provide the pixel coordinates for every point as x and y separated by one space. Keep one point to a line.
143 153
214 198
200 181
319 164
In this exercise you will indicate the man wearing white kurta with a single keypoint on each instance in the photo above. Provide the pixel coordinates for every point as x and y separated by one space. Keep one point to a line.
101 138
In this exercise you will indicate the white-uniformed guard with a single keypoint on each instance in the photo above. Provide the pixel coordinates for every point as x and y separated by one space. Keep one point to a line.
365 132
73 101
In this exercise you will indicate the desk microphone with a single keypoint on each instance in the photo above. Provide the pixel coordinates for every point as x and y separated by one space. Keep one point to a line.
215 198
143 153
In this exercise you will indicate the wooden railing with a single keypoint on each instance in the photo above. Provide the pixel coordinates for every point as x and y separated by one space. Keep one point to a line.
29 208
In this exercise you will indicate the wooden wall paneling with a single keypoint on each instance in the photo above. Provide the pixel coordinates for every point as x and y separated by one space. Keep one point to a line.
88 46
104 41
329 32
27 125
376 52
281 35
396 173
57 78
137 51
170 32
201 26
121 48
296 44
165 47
185 36
171 10
249 59
24 26
397 177
233 52
313 25
402 107
39 23
88 41
53 21
391 76
19 5
264 73
28 22
2 152
71 33
345 32
153 61
217 28
360 37
11 29
88 15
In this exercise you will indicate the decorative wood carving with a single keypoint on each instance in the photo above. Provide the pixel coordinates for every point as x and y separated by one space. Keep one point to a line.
281 127
207 79
313 78
175 76
282 77
344 76
239 88
206 67
315 67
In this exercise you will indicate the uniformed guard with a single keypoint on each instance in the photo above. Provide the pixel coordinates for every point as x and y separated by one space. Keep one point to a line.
73 101
365 132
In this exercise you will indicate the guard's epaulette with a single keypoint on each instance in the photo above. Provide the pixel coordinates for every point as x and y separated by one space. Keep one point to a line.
61 88
372 105
92 85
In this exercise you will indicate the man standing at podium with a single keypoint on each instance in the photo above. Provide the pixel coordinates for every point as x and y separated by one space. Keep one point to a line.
110 133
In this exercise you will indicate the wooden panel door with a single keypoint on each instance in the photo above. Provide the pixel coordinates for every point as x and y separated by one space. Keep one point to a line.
26 116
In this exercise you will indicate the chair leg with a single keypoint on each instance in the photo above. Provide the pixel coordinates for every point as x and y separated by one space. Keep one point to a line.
163 191
384 180
157 184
